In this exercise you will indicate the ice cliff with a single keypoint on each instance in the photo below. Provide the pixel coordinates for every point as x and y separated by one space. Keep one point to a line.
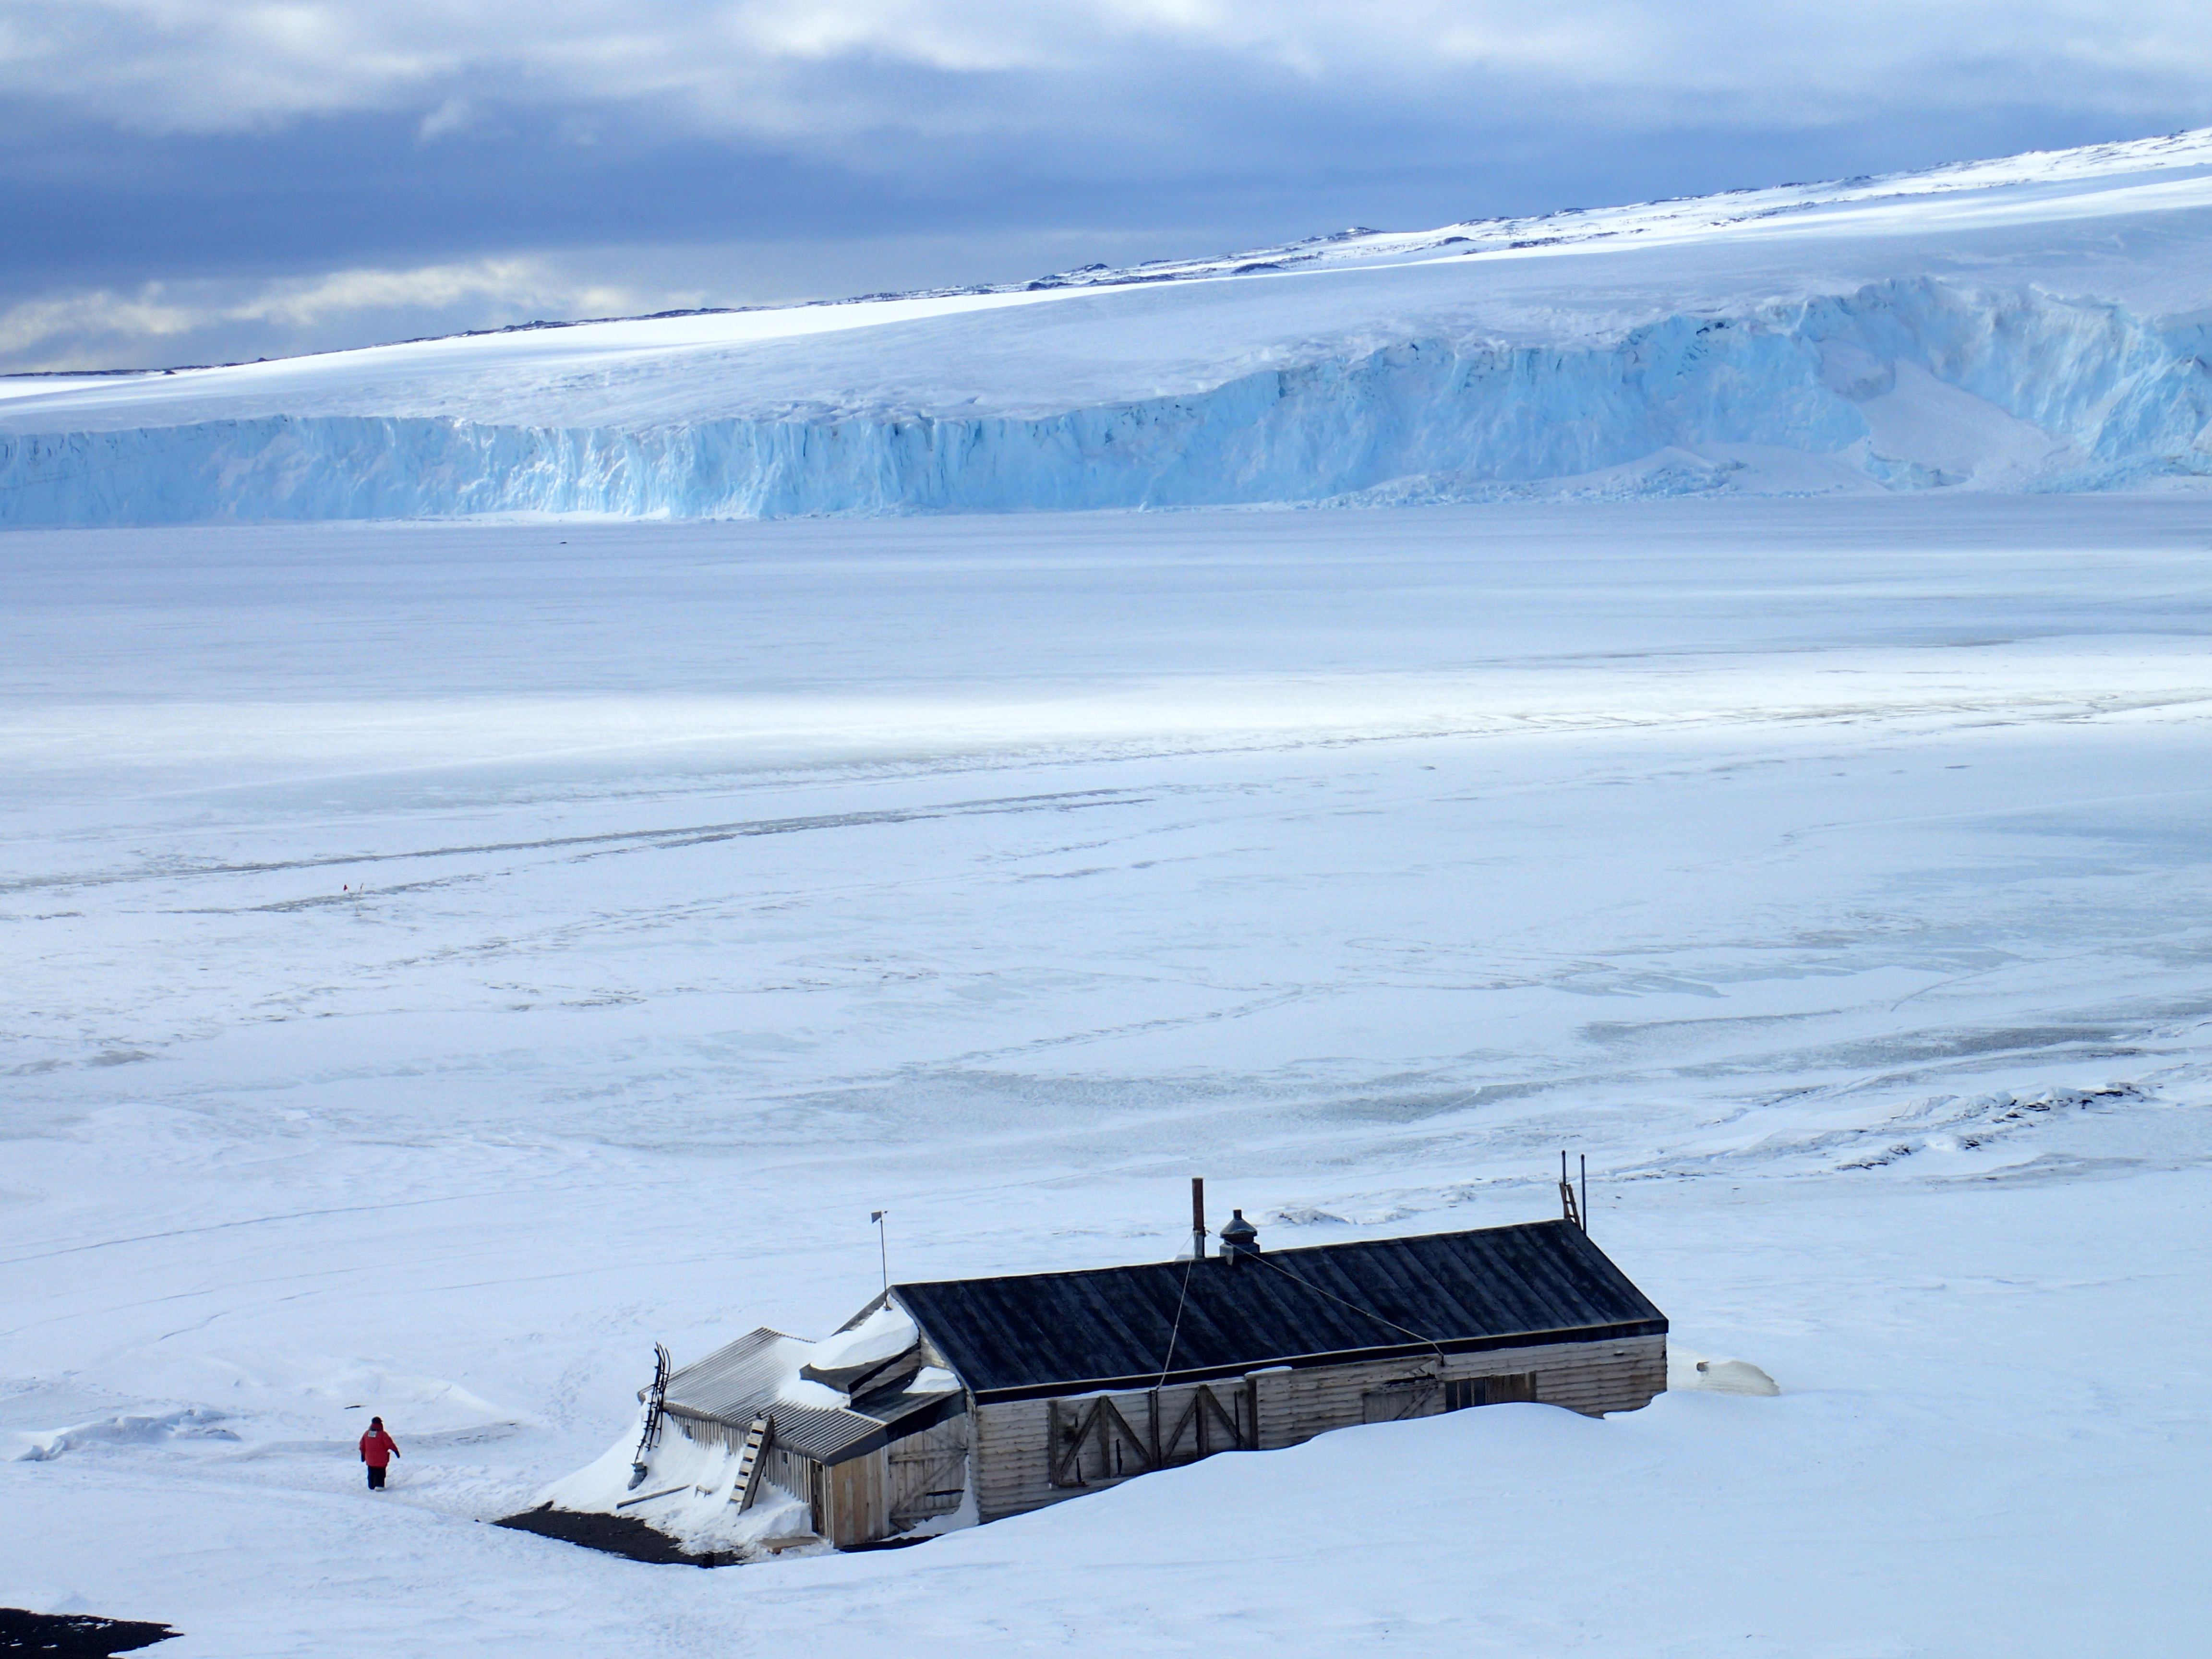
2046 340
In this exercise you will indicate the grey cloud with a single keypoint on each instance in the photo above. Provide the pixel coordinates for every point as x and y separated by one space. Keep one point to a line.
771 149
809 70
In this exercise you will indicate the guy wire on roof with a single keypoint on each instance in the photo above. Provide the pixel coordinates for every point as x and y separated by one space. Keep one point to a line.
1342 1303
1177 1329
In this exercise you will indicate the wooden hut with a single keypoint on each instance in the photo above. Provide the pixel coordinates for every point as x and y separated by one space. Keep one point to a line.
969 1400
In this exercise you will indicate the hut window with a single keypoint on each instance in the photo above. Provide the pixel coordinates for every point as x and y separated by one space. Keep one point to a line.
1411 1396
1462 1392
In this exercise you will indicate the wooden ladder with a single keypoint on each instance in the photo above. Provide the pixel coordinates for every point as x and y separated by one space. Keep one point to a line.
752 1457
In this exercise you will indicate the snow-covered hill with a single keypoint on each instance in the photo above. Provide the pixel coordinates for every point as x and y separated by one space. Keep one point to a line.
2037 323
444 961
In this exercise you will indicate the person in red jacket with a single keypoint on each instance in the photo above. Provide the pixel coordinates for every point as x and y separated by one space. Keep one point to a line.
377 1449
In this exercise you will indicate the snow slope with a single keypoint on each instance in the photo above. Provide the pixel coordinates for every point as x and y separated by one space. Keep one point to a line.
442 960
2037 323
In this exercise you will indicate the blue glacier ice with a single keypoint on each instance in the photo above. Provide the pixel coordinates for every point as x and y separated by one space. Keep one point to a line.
2048 330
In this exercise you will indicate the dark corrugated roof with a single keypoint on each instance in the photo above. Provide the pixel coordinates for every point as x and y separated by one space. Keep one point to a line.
1043 1333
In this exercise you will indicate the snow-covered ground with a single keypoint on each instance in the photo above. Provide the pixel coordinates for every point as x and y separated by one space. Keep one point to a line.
2038 322
442 961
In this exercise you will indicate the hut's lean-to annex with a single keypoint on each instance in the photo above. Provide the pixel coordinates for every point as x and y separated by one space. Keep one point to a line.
970 1400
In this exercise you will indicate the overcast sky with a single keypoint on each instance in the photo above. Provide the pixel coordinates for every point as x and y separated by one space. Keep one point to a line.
193 180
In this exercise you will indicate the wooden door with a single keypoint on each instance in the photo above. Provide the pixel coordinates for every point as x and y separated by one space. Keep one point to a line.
928 1473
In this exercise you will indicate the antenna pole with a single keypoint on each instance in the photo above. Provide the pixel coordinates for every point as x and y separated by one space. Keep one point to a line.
1584 1157
1197 1217
883 1245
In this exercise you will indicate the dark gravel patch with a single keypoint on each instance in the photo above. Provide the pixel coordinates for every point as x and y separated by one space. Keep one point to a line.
78 1635
617 1534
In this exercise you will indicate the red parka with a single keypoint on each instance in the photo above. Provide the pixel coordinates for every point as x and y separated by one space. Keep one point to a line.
377 1449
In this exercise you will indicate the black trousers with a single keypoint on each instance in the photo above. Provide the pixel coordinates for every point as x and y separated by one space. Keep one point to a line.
376 1477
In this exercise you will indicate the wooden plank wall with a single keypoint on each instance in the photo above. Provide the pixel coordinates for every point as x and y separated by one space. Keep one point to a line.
863 1498
856 1497
936 1459
1010 1458
1591 1378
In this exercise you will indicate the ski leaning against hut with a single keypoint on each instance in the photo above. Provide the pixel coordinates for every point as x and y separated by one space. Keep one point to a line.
377 1449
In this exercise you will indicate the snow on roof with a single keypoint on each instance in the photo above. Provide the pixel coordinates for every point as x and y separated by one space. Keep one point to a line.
759 1373
884 1335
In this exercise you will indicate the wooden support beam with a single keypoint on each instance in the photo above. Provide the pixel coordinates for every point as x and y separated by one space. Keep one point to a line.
1111 1412
1065 1466
1182 1422
1227 1417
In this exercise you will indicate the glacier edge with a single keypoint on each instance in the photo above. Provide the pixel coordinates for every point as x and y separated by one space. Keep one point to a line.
2125 401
